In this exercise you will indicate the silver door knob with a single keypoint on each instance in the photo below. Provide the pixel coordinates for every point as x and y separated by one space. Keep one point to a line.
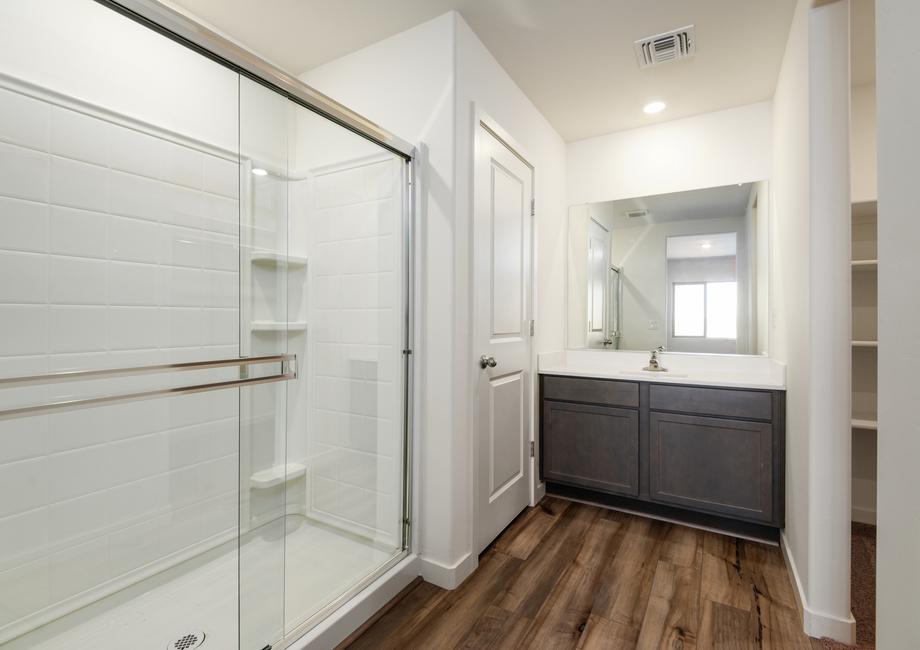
487 362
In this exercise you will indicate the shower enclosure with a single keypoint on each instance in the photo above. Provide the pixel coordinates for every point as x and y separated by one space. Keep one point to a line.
204 339
614 304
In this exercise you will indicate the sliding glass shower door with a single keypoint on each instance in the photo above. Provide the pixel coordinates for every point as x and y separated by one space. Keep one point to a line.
347 411
119 247
203 318
323 278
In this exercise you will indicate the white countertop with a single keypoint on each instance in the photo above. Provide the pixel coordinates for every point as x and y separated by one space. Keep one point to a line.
721 370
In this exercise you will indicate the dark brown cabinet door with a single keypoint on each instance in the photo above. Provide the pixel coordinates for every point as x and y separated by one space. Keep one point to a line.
714 465
591 446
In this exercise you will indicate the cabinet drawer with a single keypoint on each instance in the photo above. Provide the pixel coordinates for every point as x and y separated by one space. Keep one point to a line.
748 404
595 391
591 446
713 465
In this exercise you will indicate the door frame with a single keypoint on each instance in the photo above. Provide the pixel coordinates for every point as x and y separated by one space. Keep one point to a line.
481 119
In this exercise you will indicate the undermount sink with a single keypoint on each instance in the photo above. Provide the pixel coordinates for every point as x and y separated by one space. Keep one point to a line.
651 373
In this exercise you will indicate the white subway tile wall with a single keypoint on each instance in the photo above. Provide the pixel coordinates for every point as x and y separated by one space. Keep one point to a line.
356 413
116 248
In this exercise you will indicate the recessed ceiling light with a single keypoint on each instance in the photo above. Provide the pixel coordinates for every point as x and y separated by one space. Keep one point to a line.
653 107
706 244
258 171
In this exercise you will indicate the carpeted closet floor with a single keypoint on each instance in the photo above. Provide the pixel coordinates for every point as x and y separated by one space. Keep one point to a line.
862 588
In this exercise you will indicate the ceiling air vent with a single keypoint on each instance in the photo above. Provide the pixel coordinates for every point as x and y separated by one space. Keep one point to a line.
664 48
636 214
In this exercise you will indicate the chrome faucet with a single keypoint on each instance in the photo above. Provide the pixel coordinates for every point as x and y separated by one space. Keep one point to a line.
654 364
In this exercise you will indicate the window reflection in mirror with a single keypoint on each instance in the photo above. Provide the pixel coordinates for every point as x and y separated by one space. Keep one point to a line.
688 271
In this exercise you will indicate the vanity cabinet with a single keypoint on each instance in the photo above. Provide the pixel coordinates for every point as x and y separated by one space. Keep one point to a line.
717 465
591 433
708 455
591 446
595 391
722 402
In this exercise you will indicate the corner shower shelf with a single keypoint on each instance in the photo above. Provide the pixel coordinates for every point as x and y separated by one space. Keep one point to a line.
865 344
864 265
277 475
275 258
277 326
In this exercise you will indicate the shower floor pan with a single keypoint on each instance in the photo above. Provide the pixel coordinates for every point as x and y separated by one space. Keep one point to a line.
201 594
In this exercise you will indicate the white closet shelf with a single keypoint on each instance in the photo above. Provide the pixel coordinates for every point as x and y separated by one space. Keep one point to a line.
865 344
277 326
864 265
866 421
862 206
274 258
277 475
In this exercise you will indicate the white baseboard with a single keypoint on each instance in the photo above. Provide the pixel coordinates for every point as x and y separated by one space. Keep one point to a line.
817 624
448 576
538 491
348 618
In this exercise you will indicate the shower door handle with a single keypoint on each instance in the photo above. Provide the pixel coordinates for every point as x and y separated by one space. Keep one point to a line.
486 361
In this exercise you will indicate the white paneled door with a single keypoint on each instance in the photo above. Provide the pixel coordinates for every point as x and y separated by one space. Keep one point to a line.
502 227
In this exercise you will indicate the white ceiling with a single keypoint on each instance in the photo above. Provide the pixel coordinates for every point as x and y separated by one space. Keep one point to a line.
687 247
708 203
574 59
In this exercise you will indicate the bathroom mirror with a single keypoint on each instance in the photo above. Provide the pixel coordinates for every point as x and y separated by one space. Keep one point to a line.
688 271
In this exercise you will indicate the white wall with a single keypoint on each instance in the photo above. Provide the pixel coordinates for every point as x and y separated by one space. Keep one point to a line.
709 150
790 193
864 165
421 84
70 46
899 321
830 349
810 215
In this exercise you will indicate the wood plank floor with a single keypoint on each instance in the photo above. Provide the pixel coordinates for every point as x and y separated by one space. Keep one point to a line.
569 575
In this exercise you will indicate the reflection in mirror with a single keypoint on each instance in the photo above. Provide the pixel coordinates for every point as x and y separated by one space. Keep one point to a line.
688 271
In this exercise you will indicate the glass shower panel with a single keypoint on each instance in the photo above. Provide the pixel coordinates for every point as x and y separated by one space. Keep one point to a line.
614 305
346 410
169 226
267 481
119 247
323 278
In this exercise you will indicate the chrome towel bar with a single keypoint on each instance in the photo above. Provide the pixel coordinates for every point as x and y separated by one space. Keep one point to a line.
288 371
79 375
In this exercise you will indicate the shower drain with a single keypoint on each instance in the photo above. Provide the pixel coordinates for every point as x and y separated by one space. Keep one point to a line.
187 641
